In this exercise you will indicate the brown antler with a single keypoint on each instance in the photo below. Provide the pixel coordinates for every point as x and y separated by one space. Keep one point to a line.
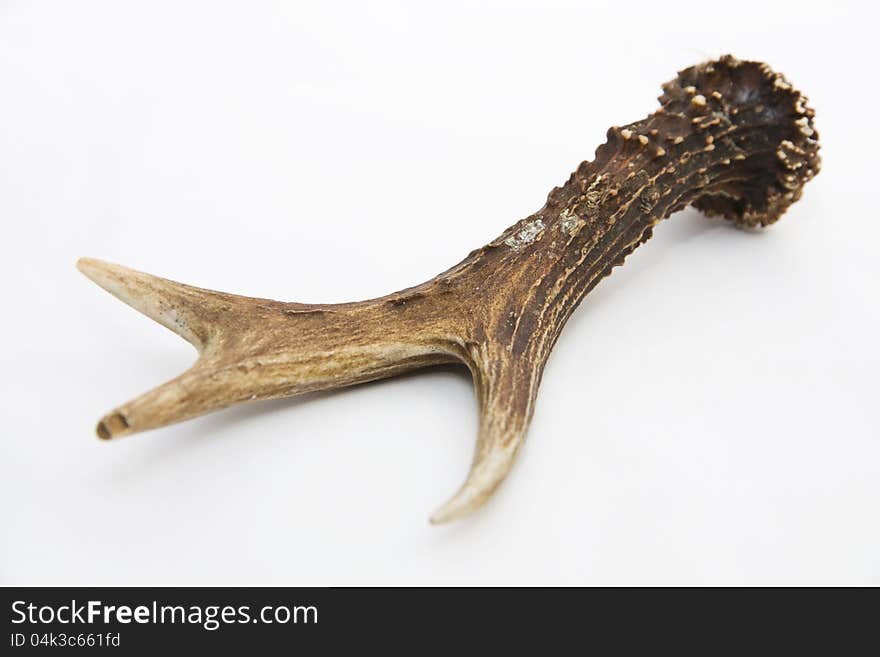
731 138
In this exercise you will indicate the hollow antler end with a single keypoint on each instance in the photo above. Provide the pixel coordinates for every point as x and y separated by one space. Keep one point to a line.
112 425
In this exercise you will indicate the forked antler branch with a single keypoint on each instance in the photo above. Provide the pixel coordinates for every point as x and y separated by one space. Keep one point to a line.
731 138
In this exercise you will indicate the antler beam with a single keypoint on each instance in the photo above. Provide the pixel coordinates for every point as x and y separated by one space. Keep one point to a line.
730 138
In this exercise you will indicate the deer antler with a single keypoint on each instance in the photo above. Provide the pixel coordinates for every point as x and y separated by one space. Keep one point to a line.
731 138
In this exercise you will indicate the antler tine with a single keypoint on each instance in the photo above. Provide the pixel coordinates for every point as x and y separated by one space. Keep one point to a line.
506 390
731 138
178 307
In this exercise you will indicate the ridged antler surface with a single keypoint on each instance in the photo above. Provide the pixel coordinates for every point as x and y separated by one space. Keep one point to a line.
731 138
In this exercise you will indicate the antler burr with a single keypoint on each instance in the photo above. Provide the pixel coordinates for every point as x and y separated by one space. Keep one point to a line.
731 138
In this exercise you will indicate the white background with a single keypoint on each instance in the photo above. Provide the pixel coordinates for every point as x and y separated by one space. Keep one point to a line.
709 415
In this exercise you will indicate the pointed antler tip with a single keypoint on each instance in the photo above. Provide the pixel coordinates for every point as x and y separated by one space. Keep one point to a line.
87 265
488 471
98 271
446 515
467 500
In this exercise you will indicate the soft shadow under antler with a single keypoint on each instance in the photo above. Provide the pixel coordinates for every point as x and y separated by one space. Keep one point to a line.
732 138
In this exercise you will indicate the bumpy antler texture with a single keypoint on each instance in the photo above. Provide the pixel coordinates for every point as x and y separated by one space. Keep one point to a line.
731 138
